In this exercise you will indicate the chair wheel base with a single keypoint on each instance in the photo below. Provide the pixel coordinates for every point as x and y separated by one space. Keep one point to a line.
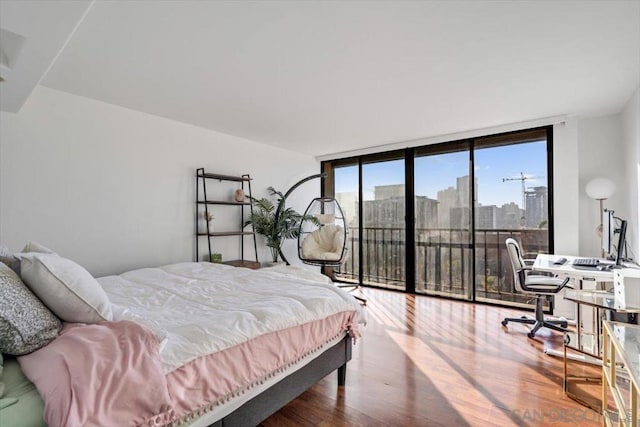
504 323
531 335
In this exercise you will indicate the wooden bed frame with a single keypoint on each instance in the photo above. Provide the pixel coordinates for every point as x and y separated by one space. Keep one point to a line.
278 395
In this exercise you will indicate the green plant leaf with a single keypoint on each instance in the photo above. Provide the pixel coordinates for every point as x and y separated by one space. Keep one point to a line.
286 226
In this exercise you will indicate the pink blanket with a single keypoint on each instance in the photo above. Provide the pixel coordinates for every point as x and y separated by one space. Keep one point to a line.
107 374
204 383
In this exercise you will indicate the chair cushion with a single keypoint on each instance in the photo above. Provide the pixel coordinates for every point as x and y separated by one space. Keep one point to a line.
543 284
326 244
533 280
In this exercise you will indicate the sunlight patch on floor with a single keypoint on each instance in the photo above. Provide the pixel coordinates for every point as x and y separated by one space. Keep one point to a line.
466 401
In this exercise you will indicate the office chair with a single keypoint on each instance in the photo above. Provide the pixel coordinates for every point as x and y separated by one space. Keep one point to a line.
538 285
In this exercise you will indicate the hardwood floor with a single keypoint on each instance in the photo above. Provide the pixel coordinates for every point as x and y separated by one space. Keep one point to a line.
435 362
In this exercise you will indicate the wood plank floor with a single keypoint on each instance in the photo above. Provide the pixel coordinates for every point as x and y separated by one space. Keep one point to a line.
435 362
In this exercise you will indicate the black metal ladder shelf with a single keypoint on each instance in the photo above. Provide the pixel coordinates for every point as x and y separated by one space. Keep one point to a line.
202 200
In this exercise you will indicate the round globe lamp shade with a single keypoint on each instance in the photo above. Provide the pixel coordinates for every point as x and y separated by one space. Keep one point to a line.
600 188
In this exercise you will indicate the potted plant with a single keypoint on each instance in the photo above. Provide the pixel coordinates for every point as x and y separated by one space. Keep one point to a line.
275 230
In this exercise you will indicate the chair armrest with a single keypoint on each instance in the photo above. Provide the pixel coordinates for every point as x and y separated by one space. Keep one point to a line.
529 261
564 284
528 270
544 273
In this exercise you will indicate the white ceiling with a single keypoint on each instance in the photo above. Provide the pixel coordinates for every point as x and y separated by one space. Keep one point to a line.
32 33
326 77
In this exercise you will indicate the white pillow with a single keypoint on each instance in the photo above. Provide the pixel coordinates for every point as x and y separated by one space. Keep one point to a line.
8 258
36 247
65 287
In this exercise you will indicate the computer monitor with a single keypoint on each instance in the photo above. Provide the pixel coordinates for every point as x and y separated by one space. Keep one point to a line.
620 249
608 230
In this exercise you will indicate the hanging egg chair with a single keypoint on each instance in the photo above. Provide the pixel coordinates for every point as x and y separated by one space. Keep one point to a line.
323 242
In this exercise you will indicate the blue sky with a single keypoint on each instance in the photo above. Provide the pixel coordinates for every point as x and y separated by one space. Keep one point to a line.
440 171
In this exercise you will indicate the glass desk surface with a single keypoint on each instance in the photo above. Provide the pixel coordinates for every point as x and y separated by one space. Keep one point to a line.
598 299
627 338
587 343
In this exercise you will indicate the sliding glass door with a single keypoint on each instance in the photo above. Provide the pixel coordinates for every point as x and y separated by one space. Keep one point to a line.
383 223
512 200
443 254
346 187
434 219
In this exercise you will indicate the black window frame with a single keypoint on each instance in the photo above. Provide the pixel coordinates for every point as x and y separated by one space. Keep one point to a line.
409 153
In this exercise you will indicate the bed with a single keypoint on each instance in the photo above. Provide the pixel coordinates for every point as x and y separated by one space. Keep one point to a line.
192 344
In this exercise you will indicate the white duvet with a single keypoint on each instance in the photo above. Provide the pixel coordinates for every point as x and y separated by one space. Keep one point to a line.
200 308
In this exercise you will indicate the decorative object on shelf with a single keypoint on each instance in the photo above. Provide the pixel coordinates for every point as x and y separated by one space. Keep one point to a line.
239 195
217 258
600 189
208 217
275 222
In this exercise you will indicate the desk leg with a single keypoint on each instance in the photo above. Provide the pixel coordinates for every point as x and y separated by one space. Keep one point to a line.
598 329
574 385
579 323
564 378
605 385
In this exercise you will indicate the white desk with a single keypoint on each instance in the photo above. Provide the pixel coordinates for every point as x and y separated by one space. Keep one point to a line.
587 323
545 262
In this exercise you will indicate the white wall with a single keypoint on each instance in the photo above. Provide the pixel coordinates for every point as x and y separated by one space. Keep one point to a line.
630 119
565 187
114 188
608 148
600 156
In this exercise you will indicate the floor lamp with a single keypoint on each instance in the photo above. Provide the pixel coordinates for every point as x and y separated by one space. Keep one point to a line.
600 189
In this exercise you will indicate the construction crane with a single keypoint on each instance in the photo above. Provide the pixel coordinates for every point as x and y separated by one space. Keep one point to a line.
522 178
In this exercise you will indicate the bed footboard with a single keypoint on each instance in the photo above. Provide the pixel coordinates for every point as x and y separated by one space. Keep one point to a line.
290 387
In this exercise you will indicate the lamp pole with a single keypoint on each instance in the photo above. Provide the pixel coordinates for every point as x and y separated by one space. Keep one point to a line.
600 189
600 228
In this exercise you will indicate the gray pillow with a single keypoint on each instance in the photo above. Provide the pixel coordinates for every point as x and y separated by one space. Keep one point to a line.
26 324
36 247
8 258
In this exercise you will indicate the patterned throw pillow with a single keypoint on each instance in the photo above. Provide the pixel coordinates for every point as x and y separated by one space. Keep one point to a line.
26 324
6 257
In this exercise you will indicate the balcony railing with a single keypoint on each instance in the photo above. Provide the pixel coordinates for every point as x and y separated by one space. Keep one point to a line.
444 260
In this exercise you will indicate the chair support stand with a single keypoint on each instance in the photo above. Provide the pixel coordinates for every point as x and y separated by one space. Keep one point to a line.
284 198
539 321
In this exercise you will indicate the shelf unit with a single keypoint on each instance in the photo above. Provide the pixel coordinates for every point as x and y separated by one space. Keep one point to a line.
202 200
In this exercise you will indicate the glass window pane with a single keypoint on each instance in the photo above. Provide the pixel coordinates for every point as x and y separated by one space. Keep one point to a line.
383 251
511 201
510 197
346 189
443 224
